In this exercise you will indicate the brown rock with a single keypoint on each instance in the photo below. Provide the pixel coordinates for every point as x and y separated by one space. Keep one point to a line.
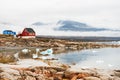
60 74
30 78
68 74
57 77
82 75
116 78
6 76
4 79
53 71
74 77
65 66
40 78
91 78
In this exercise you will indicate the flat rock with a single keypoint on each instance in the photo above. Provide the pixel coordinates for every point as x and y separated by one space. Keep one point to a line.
91 78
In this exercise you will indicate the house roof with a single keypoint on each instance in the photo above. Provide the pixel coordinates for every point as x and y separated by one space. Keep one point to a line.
8 30
30 30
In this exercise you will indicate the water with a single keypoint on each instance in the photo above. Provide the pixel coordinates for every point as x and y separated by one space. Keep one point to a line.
111 42
105 58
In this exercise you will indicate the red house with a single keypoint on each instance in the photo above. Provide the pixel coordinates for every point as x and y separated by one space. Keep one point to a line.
27 33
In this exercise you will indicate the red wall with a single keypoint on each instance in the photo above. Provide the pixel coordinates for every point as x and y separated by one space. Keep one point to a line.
26 33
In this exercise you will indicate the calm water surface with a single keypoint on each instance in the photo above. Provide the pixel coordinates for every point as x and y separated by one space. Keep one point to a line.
106 58
111 42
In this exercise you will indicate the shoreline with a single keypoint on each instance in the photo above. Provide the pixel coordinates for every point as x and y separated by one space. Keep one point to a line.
46 70
51 69
9 41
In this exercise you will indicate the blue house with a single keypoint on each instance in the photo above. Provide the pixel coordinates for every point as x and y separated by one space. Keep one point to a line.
9 32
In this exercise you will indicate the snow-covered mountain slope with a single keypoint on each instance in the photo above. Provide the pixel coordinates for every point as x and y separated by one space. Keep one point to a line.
68 25
72 28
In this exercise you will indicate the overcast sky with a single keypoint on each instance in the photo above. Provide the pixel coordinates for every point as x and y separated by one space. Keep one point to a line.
98 13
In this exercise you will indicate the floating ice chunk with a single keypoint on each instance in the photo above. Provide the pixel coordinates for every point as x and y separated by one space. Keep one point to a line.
34 56
37 50
48 51
29 50
16 55
25 51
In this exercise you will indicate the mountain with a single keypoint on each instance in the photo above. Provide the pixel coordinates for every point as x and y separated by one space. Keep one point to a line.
62 28
68 25
38 24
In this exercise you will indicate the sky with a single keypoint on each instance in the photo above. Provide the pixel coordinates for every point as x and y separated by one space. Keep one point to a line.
97 13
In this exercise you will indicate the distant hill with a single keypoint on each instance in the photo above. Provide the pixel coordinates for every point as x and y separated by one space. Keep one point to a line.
38 24
68 25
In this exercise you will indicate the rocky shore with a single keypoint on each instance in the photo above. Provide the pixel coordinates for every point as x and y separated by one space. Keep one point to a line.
54 71
40 69
9 41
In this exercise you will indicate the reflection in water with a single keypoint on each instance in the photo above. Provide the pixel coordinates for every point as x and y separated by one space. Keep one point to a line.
95 58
